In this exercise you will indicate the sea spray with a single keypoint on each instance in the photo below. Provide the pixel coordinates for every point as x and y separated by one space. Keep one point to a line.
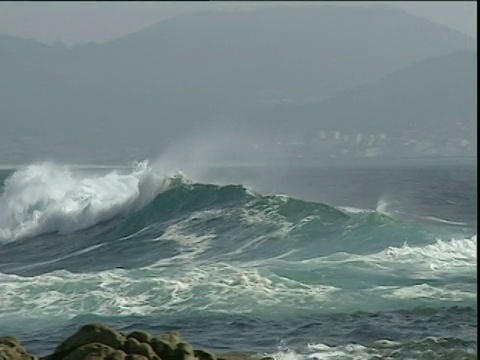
46 197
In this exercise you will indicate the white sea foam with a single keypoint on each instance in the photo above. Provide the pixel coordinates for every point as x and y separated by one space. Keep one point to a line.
444 221
384 206
191 244
354 210
46 197
322 351
435 269
381 349
279 227
454 256
219 287
450 294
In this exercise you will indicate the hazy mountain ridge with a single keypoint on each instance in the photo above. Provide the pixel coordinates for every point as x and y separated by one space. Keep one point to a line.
449 79
307 47
149 87
433 102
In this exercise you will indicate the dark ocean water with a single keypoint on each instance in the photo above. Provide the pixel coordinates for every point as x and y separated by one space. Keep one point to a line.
351 262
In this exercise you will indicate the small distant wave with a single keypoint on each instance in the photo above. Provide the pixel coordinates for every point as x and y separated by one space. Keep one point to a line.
452 256
354 210
440 256
443 221
393 209
384 206
427 348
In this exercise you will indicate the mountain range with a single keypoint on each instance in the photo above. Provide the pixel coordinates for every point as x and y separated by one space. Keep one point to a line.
291 70
432 100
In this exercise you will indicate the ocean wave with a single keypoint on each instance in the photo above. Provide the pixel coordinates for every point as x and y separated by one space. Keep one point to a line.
177 285
171 220
215 288
444 221
47 197
50 198
427 348
138 245
443 269
439 257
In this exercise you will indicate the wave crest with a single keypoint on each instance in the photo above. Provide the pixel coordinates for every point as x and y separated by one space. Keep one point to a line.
47 197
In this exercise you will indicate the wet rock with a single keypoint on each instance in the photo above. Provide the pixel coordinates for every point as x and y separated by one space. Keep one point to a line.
8 353
92 333
135 357
183 351
99 342
11 349
141 336
204 355
172 337
10 341
162 348
95 351
117 355
133 346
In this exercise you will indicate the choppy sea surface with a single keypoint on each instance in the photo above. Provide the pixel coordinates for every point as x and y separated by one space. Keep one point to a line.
297 262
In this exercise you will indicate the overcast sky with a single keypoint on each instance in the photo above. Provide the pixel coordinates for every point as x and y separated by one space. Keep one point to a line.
78 22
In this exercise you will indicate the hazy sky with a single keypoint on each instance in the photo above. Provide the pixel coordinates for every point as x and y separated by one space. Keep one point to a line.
77 22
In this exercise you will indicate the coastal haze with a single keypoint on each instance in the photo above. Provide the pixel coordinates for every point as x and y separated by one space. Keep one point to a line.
280 72
292 180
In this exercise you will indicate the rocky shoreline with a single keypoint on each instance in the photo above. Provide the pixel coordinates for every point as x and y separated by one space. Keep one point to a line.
99 342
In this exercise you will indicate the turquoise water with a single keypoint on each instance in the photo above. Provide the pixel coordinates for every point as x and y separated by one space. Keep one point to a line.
346 263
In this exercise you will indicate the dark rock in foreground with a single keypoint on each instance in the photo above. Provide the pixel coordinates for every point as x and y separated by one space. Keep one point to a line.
100 342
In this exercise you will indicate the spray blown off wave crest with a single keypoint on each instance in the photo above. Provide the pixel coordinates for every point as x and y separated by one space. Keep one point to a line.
46 197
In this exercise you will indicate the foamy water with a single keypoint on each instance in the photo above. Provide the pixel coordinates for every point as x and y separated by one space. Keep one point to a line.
141 247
